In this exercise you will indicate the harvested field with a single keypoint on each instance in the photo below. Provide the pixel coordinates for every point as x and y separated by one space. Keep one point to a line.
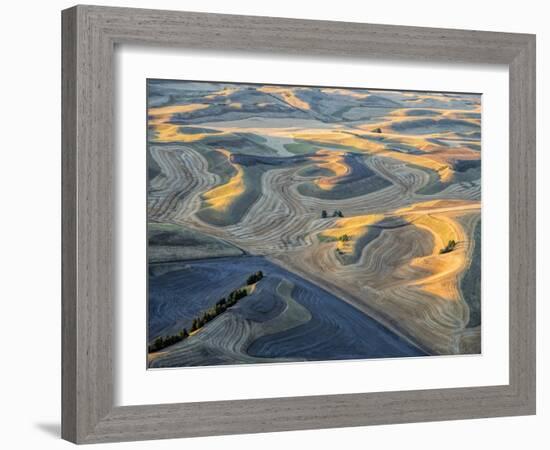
367 228
170 242
286 318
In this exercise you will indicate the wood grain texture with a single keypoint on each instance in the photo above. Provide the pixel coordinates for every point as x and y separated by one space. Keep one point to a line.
68 224
89 37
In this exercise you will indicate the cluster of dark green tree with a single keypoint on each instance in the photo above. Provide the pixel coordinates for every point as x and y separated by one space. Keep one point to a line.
208 315
449 248
163 342
254 278
336 213
220 307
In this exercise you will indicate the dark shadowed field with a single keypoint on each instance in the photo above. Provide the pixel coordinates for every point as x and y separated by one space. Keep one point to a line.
286 318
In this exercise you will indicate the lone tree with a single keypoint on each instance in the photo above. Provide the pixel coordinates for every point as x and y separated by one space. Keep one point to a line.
449 248
337 213
377 130
324 214
344 238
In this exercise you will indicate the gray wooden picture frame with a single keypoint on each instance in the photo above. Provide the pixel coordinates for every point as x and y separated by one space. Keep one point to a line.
90 34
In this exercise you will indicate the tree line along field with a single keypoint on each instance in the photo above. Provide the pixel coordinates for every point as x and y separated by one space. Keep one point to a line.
360 207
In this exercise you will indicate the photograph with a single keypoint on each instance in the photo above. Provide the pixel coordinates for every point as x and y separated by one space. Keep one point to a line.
310 223
250 225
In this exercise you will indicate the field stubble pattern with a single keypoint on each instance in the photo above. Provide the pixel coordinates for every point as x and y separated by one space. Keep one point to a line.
391 270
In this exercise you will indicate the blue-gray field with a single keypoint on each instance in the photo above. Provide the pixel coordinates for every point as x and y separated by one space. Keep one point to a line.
266 328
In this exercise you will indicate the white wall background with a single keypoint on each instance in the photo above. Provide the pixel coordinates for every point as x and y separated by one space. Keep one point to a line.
31 208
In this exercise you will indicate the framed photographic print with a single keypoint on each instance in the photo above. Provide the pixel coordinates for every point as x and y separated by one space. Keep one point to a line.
265 230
